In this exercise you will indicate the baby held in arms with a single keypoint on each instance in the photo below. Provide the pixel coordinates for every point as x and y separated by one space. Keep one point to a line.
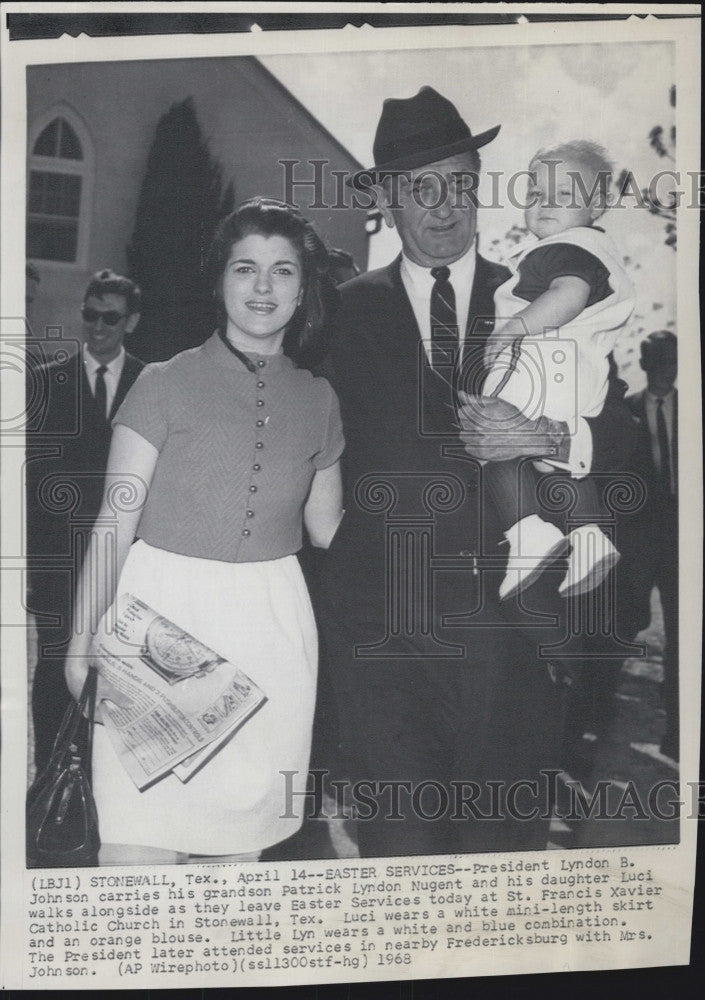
558 319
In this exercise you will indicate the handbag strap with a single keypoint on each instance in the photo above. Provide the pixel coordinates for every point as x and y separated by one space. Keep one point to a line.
73 715
91 684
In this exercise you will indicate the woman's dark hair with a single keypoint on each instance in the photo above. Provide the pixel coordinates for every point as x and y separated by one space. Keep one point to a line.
306 336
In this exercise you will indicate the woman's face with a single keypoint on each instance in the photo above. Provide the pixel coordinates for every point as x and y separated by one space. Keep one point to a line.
262 286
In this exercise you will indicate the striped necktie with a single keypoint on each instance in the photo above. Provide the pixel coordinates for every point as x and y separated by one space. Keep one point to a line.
100 392
444 319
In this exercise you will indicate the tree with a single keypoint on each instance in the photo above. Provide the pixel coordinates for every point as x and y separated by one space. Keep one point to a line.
663 144
180 205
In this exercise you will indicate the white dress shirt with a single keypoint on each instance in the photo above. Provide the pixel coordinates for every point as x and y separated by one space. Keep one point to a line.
113 371
651 407
418 283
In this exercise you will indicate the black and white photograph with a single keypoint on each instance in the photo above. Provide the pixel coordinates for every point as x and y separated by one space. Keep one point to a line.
356 527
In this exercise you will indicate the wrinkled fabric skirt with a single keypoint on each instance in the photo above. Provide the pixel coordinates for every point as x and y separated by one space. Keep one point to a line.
258 615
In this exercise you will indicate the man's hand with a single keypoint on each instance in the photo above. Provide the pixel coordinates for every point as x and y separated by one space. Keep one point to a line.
493 430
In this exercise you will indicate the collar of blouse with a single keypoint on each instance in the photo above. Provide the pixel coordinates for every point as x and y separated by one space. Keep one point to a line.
223 353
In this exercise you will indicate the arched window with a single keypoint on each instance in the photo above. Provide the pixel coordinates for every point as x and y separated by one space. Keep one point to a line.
60 165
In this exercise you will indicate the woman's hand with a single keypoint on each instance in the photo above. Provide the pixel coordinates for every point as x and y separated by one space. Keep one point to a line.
76 667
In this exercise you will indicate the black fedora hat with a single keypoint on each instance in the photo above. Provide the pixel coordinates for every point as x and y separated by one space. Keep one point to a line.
419 130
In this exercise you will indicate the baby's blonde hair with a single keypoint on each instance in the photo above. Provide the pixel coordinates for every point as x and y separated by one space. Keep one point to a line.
587 153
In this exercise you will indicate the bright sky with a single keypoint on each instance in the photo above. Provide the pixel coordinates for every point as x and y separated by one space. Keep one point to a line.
613 94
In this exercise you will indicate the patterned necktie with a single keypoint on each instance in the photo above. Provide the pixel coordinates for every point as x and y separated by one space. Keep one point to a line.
444 319
663 447
100 393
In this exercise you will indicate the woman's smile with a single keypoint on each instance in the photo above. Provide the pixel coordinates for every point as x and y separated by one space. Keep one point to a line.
261 307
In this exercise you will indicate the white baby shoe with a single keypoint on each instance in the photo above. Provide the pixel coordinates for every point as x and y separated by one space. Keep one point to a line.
592 556
533 544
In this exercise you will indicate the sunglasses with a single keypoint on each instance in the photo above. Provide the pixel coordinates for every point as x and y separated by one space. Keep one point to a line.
110 317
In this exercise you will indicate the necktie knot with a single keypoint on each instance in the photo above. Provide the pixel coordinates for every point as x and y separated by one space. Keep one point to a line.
101 370
440 273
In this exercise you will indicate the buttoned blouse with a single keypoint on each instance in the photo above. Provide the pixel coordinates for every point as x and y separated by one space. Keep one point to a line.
237 451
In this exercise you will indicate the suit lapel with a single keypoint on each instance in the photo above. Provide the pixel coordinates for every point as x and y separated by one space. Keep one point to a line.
130 370
404 318
480 324
437 389
640 410
481 312
90 411
674 439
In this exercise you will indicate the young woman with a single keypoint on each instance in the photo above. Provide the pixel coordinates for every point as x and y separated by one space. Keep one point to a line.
224 450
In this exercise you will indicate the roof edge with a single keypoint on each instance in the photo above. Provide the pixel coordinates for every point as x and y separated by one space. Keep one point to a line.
271 78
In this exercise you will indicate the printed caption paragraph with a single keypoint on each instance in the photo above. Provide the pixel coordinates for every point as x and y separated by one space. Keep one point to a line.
280 923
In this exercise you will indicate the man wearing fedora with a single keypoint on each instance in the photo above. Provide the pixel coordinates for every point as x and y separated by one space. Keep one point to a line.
449 711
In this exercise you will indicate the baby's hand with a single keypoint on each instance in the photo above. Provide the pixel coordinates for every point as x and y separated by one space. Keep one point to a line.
505 333
493 348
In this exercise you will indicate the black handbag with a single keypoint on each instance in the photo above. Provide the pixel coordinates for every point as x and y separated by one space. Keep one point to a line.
61 817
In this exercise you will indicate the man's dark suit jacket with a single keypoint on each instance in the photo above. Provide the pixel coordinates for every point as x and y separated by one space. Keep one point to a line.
398 419
67 446
67 453
657 502
648 538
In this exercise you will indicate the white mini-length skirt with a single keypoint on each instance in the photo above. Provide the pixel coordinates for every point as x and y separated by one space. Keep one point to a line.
259 616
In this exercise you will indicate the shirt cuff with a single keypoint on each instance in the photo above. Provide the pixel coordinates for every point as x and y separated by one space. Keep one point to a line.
576 452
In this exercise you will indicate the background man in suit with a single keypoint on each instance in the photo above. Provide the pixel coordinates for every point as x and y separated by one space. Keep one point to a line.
67 457
435 689
649 540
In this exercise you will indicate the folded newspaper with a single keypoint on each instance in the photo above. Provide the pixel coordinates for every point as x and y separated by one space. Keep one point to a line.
185 700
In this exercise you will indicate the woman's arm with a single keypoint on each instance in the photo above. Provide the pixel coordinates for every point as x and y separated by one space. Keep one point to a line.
563 300
324 507
132 460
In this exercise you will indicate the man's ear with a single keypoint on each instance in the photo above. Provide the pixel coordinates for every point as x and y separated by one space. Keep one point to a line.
132 321
382 199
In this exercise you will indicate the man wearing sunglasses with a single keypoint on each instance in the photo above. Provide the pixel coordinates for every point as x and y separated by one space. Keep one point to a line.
81 395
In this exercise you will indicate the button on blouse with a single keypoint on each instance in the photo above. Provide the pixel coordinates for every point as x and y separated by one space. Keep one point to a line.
202 410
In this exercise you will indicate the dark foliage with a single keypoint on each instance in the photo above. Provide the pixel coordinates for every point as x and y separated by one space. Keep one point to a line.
664 145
